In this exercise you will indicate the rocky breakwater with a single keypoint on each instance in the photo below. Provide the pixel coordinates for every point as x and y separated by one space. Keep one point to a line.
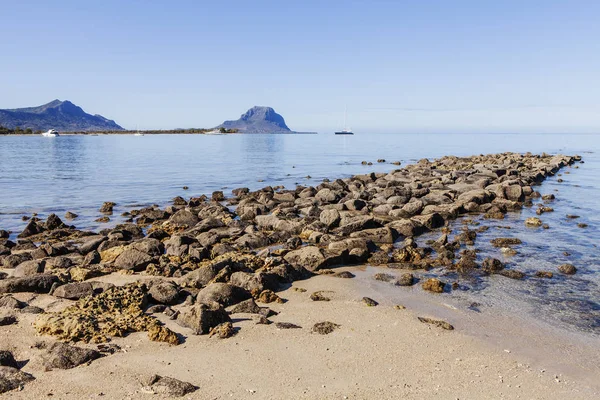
204 258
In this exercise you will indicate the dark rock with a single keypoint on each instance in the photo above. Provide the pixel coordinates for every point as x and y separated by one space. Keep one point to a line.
164 292
107 207
247 306
544 274
324 328
309 257
287 325
492 265
11 378
512 274
74 291
169 386
64 356
132 259
7 359
40 283
406 279
54 222
369 302
32 228
504 242
383 277
7 320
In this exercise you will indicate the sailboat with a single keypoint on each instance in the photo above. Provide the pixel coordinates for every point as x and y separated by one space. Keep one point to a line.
138 133
346 130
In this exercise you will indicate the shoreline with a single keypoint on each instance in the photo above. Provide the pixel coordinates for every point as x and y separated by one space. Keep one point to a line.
281 237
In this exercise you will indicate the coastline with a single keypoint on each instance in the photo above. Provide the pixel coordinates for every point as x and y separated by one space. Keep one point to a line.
364 327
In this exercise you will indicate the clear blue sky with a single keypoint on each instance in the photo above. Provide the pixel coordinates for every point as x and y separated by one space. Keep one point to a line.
400 66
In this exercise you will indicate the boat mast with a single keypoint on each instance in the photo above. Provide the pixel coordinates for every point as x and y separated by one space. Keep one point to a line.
345 112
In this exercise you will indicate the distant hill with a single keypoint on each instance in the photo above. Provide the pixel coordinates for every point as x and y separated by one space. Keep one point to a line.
60 115
258 120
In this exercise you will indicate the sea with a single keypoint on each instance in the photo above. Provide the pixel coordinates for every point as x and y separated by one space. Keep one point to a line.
78 173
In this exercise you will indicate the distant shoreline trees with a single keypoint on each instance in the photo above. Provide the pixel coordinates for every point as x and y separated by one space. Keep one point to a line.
18 131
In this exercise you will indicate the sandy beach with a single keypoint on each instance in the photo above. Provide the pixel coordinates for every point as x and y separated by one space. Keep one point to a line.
378 352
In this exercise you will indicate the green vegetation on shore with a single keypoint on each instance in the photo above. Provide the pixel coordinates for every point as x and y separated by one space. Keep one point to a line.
17 131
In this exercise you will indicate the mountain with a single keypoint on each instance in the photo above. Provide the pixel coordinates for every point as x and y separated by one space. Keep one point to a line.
60 115
258 120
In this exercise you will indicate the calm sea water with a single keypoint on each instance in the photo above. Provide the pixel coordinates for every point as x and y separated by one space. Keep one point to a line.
78 173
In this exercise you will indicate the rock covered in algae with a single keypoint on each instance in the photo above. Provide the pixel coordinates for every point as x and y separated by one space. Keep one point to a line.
115 312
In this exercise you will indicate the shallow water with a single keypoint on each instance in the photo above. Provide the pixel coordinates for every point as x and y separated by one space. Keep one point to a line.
78 173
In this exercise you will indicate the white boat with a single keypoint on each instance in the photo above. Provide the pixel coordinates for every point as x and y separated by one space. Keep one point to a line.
138 134
346 130
214 132
50 133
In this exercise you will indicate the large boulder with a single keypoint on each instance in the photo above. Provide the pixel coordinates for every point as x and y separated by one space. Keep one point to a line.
330 217
222 293
132 259
377 235
40 283
32 228
64 356
248 281
184 217
74 291
164 292
202 317
29 268
309 257
13 260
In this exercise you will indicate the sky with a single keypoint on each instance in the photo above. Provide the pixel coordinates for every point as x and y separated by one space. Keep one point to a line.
398 66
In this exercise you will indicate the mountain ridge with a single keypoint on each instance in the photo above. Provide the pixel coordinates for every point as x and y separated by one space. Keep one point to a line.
60 115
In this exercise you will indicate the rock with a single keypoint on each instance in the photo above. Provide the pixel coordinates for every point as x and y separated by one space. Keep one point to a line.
309 257
7 359
514 193
11 378
7 320
164 292
222 331
32 310
54 222
32 228
13 260
64 356
222 293
184 218
132 259
70 215
544 274
383 277
319 296
201 318
567 269
504 242
533 221
116 311
344 274
434 285
29 268
377 235
40 283
287 325
492 265
324 328
436 322
10 302
330 217
251 282
268 296
512 274
369 302
168 386
406 279
247 306
74 291
107 207
4 234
